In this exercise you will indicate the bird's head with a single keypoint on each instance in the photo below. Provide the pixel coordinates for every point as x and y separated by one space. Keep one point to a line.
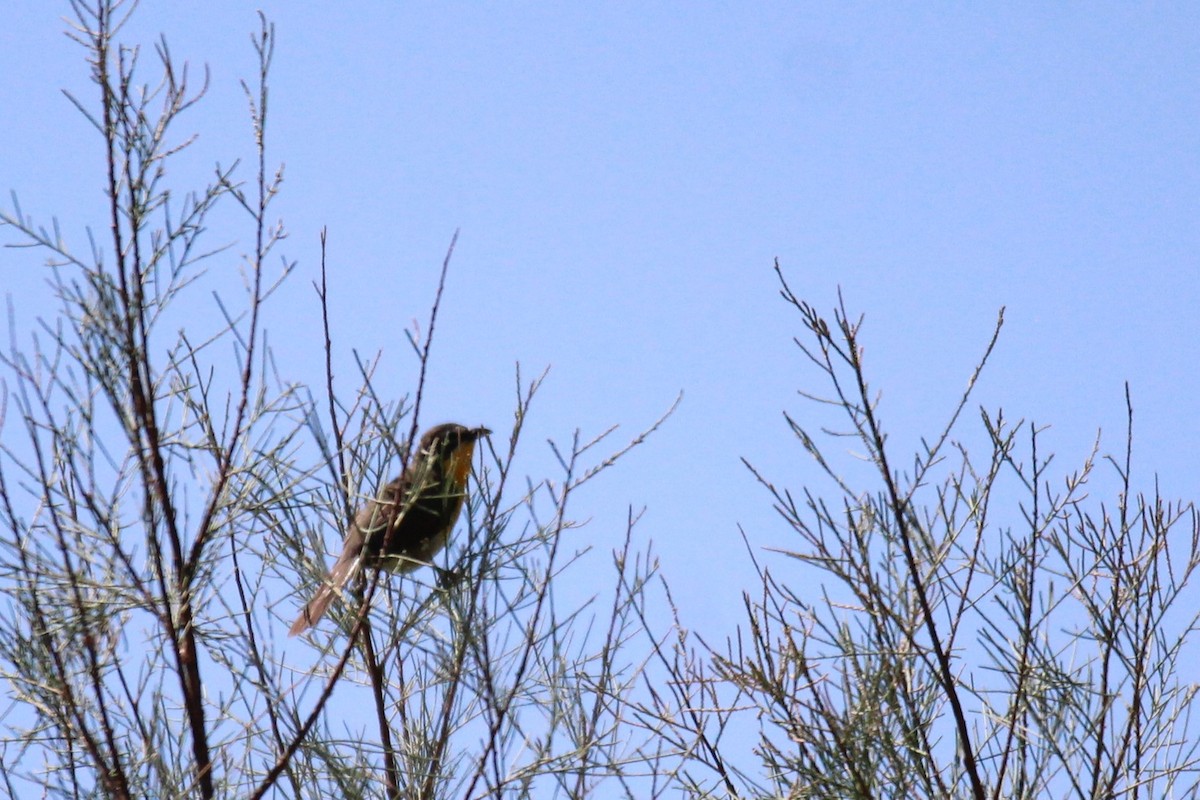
453 445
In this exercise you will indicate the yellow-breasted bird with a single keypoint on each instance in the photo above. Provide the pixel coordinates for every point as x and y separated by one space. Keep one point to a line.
412 516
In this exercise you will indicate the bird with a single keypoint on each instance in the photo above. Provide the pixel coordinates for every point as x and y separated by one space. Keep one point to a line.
411 517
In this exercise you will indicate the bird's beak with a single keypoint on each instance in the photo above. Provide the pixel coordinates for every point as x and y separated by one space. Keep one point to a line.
481 431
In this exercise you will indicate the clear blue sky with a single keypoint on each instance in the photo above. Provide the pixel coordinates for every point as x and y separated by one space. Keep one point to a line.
624 175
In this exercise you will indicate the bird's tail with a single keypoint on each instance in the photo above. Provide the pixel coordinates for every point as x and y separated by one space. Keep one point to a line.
315 609
347 566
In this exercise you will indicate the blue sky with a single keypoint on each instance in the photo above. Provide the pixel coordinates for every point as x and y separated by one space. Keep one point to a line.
624 175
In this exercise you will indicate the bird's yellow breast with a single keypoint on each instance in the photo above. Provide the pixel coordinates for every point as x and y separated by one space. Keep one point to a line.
460 464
